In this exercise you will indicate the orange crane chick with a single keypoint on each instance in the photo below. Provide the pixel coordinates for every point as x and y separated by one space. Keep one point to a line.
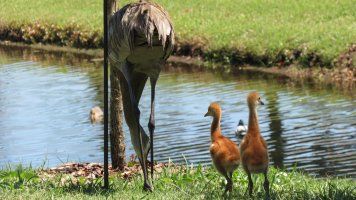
254 153
224 152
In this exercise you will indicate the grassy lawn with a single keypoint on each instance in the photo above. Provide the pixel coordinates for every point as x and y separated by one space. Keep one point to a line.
186 183
327 26
89 14
264 28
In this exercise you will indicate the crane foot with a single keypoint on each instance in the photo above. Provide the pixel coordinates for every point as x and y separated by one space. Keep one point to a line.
147 187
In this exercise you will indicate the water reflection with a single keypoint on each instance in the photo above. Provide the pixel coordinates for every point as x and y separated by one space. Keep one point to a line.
276 148
45 101
45 106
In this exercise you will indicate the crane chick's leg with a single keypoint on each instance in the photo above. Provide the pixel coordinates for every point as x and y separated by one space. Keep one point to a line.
266 184
151 123
228 186
231 182
250 183
128 74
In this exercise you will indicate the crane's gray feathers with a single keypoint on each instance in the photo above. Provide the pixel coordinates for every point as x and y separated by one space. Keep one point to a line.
139 24
141 38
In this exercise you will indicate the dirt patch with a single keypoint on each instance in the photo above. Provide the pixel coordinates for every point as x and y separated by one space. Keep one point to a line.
96 170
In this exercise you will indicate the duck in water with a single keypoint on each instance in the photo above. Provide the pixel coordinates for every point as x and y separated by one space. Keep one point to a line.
96 115
241 129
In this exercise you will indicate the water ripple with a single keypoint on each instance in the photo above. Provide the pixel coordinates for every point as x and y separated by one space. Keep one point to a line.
44 117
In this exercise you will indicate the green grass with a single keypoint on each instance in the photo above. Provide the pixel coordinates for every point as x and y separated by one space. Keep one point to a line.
87 14
263 28
187 183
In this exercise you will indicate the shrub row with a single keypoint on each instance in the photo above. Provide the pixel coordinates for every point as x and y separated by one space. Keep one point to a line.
236 56
73 35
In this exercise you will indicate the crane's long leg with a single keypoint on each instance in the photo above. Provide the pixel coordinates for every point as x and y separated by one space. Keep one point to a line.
128 74
151 123
142 157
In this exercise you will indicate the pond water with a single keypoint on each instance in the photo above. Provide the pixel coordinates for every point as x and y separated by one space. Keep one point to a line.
45 101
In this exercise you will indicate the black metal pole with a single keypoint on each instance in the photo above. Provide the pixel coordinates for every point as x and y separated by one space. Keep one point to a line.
106 142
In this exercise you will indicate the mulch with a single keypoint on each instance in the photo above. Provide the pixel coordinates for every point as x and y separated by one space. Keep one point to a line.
96 170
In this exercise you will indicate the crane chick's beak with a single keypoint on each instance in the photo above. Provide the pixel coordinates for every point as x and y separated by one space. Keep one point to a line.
207 114
261 102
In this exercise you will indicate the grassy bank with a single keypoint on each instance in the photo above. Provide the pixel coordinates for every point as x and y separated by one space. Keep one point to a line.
232 32
170 183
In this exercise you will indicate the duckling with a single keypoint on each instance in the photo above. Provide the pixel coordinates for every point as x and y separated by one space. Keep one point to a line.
254 153
224 152
96 114
241 129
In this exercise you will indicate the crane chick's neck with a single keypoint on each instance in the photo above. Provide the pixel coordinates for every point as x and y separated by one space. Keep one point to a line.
215 128
253 127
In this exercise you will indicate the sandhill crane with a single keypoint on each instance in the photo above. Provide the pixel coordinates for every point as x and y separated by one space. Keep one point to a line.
224 152
141 38
253 148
